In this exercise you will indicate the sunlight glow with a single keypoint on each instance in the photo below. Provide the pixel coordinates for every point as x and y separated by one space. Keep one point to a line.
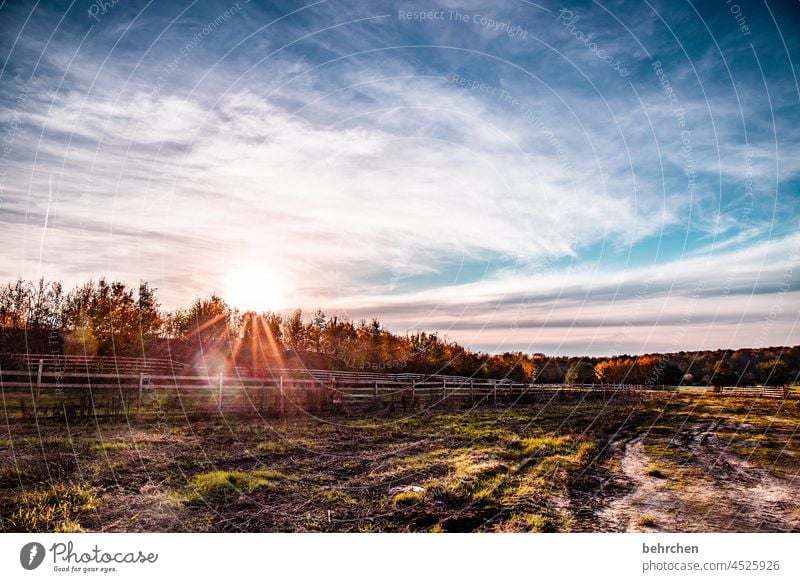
254 287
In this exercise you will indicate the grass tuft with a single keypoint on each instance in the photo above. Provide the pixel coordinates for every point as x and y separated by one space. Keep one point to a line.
657 470
408 498
58 508
218 486
110 446
647 520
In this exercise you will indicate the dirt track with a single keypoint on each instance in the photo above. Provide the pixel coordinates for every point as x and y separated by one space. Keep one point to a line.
714 490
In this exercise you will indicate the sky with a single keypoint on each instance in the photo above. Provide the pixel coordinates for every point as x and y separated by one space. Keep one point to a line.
571 178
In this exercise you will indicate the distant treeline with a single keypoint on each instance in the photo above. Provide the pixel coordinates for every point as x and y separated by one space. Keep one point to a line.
110 318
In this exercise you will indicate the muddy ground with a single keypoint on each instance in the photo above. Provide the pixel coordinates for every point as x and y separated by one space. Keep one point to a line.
665 462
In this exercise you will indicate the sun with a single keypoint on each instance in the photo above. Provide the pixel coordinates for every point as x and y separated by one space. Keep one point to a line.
254 287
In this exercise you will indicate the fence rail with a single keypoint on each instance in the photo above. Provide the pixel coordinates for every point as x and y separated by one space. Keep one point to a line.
87 364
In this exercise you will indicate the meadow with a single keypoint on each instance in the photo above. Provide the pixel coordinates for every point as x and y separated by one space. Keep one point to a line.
649 461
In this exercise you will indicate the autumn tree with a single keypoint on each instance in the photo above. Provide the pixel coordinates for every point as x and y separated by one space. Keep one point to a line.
294 331
581 372
613 371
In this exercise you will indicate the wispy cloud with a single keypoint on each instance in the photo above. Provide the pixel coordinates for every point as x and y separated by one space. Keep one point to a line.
514 191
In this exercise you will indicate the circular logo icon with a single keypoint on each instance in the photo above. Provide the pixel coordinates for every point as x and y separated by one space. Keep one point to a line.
31 555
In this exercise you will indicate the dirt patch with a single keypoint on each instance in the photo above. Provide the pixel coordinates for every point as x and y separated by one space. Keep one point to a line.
714 491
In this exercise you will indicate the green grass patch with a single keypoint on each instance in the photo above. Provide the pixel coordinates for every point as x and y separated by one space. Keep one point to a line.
336 497
533 522
448 491
281 447
473 428
218 486
772 455
55 509
111 446
564 466
408 498
544 446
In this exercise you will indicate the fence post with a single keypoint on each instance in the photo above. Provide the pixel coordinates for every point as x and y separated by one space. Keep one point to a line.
494 391
283 406
413 393
376 390
220 389
141 388
472 391
38 385
444 389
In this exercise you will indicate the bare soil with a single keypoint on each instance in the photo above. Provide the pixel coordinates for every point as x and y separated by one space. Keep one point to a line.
715 490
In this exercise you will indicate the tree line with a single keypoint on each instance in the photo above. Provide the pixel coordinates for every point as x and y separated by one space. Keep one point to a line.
110 318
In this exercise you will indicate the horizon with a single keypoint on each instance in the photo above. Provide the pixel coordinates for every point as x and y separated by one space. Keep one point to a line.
475 170
308 316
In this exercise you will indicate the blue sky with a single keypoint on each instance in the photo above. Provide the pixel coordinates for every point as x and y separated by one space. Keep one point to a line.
573 178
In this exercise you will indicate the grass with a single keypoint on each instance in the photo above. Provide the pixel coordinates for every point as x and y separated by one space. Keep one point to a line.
336 497
647 520
111 446
533 522
12 477
666 451
527 469
523 478
284 446
770 455
281 447
58 508
540 446
408 498
219 486
657 470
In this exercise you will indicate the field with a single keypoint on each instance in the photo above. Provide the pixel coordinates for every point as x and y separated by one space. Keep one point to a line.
642 462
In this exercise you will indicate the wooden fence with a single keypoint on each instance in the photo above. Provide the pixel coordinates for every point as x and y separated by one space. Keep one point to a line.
758 391
47 394
54 391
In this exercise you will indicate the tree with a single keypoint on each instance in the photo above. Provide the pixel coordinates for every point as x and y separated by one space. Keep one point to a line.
101 318
671 374
206 323
581 372
723 374
294 331
14 301
147 311
774 372
614 371
316 330
44 307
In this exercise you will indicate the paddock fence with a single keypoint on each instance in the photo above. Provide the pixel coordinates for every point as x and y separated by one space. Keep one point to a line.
68 387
